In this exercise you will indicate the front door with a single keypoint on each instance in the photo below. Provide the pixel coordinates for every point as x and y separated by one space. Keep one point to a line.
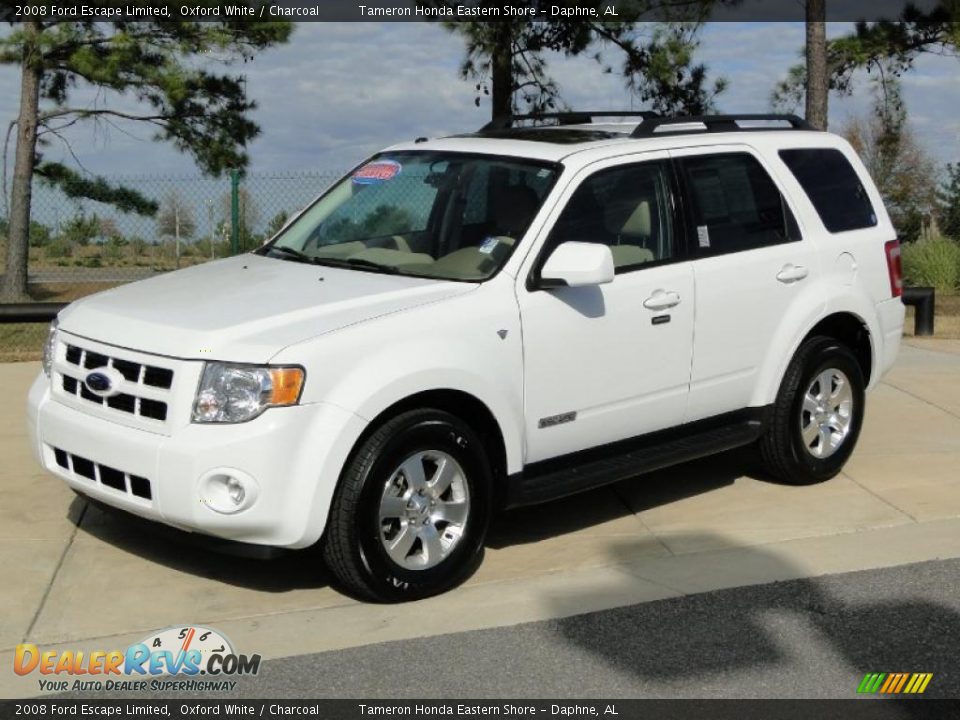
610 362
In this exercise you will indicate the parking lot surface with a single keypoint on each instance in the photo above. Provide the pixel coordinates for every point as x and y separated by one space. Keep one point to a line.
78 578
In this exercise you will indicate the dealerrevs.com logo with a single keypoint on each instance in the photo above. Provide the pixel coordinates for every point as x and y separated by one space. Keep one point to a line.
178 658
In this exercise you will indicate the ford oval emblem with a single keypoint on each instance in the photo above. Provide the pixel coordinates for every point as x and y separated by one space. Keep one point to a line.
100 382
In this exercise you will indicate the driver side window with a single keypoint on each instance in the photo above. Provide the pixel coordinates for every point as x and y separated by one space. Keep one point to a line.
627 208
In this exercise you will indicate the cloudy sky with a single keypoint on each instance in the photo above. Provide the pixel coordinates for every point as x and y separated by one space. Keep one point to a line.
338 92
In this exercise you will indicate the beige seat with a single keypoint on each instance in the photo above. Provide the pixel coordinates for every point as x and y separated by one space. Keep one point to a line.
388 256
467 263
340 250
630 230
624 255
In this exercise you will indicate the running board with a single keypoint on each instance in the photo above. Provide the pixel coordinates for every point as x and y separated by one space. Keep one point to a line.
588 469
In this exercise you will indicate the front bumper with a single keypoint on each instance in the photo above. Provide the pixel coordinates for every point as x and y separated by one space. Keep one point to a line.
292 455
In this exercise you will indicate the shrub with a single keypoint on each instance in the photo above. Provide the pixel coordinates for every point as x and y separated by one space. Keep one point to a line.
112 252
934 262
39 234
60 247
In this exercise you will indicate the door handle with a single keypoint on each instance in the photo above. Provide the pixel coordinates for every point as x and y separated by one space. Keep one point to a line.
662 300
791 273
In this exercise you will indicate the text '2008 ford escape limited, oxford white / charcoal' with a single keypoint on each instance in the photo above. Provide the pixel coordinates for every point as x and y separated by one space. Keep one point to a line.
485 321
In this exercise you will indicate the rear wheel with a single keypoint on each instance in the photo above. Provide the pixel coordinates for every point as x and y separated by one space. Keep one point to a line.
817 415
410 514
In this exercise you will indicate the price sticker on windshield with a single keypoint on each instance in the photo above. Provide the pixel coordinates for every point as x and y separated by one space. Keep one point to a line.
376 172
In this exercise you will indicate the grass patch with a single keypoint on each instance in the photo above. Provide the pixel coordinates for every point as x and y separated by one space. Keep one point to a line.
20 342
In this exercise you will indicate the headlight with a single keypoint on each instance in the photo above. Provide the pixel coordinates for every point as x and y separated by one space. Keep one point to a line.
50 348
237 393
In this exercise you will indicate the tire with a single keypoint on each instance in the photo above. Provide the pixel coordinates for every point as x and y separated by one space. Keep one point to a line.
377 507
795 449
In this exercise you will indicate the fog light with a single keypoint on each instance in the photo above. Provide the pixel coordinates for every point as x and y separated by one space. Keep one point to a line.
227 490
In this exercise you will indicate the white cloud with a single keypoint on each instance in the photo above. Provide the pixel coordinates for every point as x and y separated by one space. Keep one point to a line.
338 92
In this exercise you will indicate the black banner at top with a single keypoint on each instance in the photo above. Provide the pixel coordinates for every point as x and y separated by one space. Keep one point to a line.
462 10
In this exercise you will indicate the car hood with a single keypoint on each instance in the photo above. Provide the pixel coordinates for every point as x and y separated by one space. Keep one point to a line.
245 308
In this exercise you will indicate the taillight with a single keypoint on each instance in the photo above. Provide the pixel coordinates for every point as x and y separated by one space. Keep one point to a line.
894 267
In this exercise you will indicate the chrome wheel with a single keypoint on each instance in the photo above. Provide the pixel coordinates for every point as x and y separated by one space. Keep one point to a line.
826 415
424 509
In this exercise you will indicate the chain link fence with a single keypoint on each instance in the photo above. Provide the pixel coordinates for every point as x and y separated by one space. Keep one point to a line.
78 246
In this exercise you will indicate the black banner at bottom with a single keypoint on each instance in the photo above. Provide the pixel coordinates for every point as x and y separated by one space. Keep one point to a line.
855 709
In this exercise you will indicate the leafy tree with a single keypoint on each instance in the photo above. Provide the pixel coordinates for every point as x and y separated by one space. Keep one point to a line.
948 201
659 68
904 174
886 48
80 229
108 230
176 216
277 222
506 58
176 220
199 111
40 234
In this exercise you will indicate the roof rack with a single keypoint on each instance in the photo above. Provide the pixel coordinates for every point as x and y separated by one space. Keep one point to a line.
657 126
578 117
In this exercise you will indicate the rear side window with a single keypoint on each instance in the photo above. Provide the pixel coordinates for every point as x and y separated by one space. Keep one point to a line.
833 187
736 205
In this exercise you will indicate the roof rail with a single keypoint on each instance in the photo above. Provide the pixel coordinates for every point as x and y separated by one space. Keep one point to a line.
573 117
656 126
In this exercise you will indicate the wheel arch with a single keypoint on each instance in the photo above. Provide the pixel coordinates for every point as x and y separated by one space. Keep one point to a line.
844 325
853 332
469 408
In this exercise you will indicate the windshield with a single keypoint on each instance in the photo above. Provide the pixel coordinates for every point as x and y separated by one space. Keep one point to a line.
430 214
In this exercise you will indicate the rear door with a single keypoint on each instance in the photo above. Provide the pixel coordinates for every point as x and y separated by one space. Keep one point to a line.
749 264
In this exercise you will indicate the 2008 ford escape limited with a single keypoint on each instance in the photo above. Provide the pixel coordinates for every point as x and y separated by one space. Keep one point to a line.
485 321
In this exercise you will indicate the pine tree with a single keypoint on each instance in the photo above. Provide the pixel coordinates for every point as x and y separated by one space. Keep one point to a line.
201 112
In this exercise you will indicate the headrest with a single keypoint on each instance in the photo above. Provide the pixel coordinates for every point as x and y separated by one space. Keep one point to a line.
628 218
514 208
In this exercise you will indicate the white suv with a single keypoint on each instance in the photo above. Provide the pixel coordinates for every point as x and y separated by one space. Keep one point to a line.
484 321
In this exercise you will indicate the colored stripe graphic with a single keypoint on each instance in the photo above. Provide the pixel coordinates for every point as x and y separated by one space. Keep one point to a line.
891 681
894 683
871 682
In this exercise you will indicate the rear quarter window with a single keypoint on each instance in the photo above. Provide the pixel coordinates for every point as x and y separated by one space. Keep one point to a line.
833 187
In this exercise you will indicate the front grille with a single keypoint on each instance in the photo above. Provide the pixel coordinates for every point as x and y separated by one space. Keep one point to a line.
138 373
104 474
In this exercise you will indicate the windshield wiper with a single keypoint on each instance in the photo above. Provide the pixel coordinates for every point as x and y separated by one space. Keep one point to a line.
299 256
357 262
293 254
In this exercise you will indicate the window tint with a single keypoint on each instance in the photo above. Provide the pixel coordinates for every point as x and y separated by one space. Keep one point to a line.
398 207
627 208
431 214
736 206
832 186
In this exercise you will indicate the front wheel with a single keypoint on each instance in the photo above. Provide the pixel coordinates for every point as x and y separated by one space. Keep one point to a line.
816 418
410 514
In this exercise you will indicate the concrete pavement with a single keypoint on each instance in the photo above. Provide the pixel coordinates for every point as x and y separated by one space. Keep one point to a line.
81 579
808 638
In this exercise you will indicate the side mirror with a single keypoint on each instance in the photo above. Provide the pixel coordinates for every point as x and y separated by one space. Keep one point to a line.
577 264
